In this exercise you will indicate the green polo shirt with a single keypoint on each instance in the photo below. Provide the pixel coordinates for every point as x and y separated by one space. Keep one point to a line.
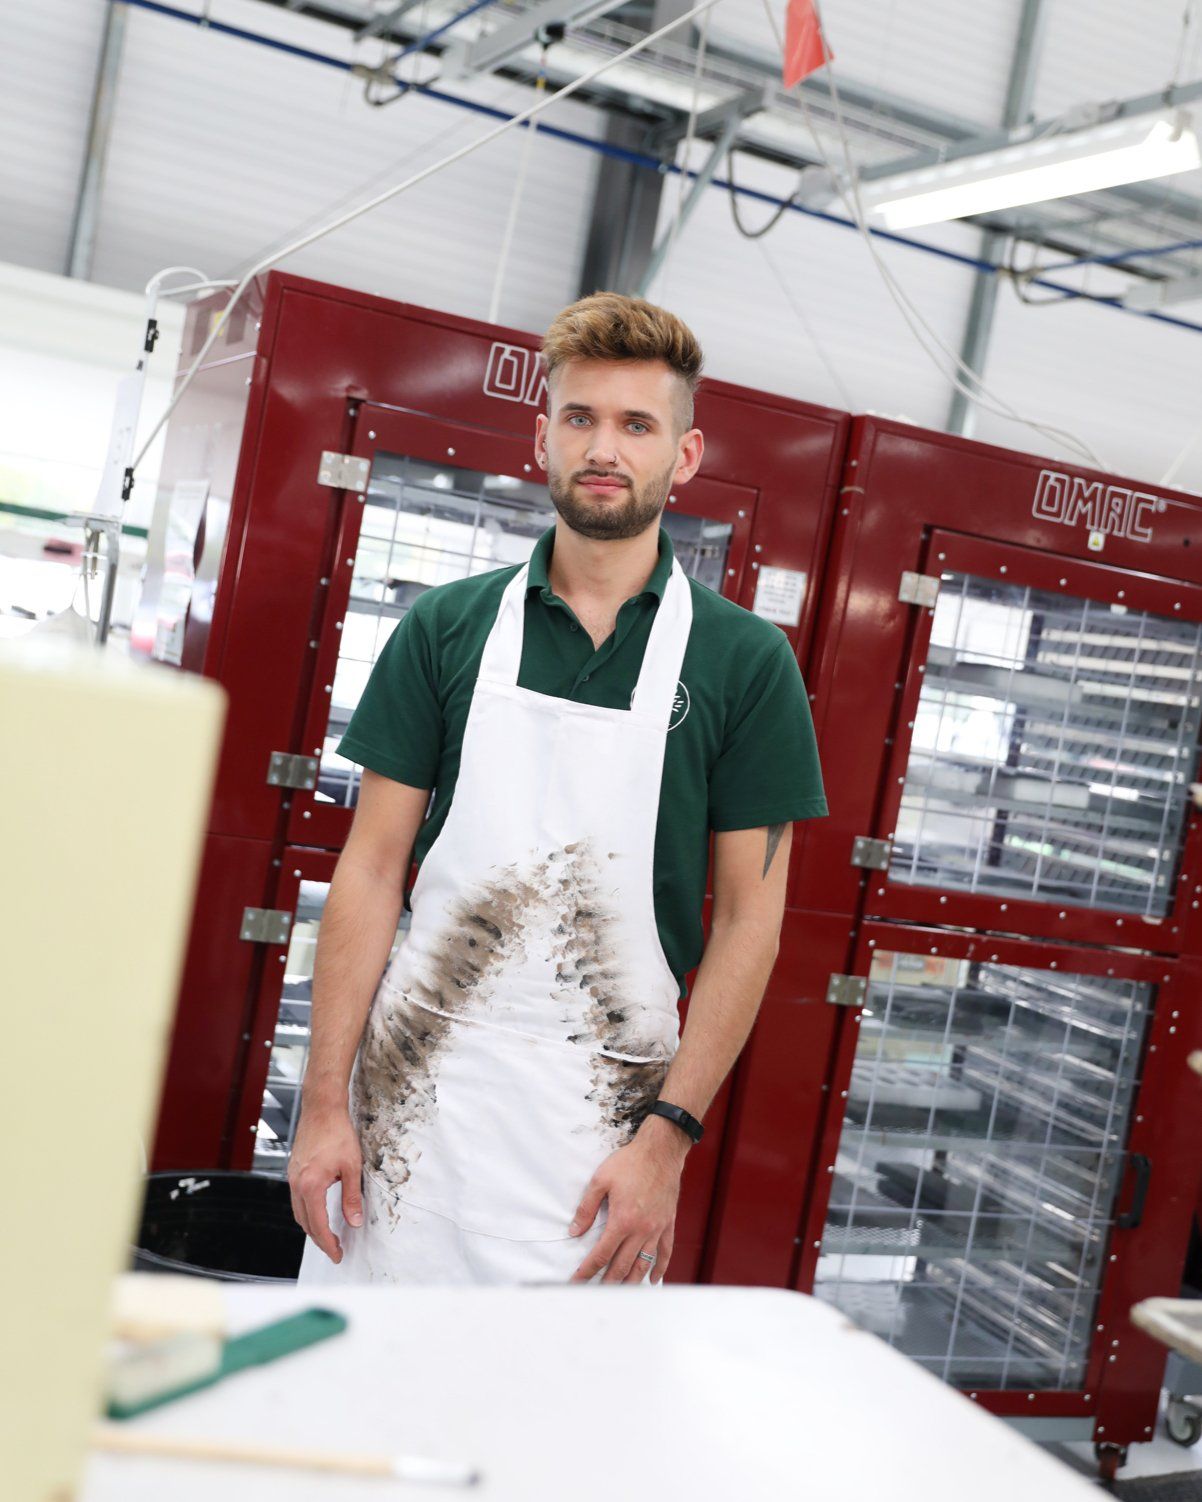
740 750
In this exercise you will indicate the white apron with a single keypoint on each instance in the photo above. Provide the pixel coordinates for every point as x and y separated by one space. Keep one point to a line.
526 1022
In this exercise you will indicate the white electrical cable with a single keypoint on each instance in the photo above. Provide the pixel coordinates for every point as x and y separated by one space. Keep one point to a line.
460 126
1170 475
685 163
979 393
506 125
1187 21
799 313
153 287
959 373
494 306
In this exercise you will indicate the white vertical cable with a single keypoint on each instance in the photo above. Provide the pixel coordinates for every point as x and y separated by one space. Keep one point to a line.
516 200
674 229
1170 475
1187 21
799 312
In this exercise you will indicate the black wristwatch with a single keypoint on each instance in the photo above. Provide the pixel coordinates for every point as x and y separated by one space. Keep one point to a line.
688 1124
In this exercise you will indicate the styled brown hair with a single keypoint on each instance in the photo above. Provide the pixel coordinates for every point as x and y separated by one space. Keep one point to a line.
611 326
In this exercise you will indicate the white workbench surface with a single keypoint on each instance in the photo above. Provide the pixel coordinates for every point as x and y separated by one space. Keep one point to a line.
592 1393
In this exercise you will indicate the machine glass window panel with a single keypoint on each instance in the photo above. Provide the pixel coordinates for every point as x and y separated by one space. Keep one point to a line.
979 1164
280 1110
1053 745
426 524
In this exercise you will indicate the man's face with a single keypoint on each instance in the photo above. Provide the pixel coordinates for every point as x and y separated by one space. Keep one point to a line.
612 447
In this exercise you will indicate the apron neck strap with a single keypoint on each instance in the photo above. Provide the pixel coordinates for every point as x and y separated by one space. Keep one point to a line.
502 657
656 689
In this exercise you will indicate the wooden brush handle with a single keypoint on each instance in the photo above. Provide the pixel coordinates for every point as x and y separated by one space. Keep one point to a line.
118 1440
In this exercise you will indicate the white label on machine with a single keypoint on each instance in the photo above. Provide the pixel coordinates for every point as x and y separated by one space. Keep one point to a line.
778 595
108 500
169 641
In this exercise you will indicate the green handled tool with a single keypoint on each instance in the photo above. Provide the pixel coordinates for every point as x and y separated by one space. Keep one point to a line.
255 1348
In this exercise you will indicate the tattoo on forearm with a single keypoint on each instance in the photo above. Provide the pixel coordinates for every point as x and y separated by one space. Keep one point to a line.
775 831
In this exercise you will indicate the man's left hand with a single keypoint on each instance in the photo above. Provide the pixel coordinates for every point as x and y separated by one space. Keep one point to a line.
642 1183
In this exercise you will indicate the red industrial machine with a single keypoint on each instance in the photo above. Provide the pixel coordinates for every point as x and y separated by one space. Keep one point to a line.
964 1116
970 1123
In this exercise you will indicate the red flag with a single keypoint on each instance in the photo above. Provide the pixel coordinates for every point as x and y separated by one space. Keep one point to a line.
805 46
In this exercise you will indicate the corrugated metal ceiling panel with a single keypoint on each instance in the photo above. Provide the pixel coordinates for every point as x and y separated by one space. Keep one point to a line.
222 148
951 56
1110 49
47 74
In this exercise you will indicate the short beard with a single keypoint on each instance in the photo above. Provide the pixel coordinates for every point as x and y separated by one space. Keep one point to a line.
611 520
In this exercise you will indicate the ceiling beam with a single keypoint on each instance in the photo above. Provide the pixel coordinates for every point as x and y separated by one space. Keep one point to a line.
1076 119
508 40
728 128
385 22
81 244
1164 293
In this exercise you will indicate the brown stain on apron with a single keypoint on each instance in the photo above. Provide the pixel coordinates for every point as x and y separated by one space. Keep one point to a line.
394 1089
589 959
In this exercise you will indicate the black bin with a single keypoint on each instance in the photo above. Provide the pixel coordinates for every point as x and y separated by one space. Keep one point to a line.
237 1227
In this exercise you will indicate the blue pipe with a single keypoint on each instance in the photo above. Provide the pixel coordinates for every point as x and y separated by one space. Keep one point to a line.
1125 255
421 43
641 159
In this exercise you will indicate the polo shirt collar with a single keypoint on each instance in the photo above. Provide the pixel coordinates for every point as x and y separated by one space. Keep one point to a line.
541 557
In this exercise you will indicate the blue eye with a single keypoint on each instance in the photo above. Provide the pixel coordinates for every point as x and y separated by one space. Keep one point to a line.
641 425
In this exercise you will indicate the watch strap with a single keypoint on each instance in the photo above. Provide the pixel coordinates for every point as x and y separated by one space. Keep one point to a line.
688 1124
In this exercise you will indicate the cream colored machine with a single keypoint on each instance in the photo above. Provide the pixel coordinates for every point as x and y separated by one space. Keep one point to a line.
106 773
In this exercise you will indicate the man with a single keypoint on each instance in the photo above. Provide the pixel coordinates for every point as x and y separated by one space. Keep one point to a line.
521 1100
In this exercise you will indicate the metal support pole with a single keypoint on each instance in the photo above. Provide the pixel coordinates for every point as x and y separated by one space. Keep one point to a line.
974 349
82 244
626 200
624 215
700 183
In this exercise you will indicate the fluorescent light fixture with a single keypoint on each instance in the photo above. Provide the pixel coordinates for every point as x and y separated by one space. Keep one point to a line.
1054 165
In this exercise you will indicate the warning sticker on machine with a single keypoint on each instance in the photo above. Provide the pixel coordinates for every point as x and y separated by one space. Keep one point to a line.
778 595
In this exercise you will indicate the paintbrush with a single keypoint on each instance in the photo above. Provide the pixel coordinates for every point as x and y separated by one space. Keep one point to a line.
121 1441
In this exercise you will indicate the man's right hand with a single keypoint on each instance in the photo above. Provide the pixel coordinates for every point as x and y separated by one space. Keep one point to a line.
326 1151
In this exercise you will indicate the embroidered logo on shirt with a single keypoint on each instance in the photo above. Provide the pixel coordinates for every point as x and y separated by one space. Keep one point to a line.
681 704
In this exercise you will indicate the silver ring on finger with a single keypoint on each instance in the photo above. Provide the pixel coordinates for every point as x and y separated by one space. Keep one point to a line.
647 1256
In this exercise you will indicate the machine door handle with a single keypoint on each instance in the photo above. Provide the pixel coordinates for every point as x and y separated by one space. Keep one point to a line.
1129 1219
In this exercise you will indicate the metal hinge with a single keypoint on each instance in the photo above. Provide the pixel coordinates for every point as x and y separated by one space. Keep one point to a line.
266 925
918 589
874 854
343 471
288 771
847 990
